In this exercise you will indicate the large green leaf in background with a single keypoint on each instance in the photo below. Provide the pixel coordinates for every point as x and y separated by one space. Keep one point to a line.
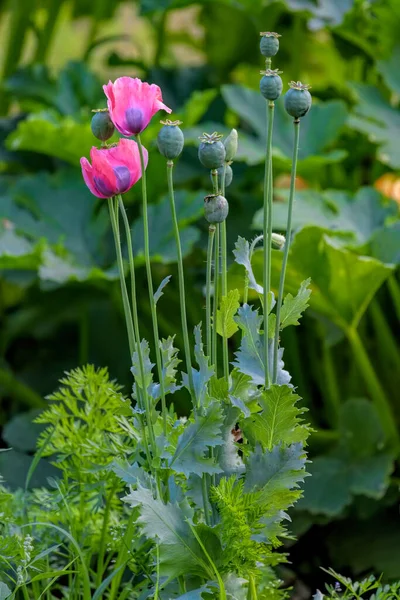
325 12
358 465
16 252
374 116
342 282
318 132
361 216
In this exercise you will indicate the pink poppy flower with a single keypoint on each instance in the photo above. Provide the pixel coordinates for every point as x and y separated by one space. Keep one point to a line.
132 103
113 170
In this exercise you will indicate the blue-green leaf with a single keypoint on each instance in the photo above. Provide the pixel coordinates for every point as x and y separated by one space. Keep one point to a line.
203 375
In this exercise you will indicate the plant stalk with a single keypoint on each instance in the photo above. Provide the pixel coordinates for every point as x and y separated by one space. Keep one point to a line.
296 124
267 230
224 278
211 234
214 356
181 276
150 280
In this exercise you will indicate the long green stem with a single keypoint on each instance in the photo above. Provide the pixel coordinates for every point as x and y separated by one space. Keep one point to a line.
181 276
296 124
224 278
373 386
204 493
394 290
150 280
267 229
143 390
122 555
124 292
252 595
211 234
103 538
216 300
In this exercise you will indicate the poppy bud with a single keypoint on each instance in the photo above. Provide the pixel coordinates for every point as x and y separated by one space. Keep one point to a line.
269 43
228 176
271 84
216 208
101 125
297 99
211 151
170 139
231 145
278 241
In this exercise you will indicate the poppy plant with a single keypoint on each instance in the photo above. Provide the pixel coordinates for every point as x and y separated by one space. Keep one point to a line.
132 103
113 170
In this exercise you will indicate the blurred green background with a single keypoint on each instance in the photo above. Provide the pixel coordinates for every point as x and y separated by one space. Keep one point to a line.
59 298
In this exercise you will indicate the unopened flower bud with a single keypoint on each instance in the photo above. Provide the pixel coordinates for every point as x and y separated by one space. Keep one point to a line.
297 99
231 145
170 139
228 176
271 84
216 208
211 151
101 125
269 43
278 241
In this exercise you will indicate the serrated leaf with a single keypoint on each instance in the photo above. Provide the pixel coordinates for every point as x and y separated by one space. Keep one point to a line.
170 362
294 306
203 375
180 552
242 257
191 453
279 421
277 474
226 325
159 292
147 366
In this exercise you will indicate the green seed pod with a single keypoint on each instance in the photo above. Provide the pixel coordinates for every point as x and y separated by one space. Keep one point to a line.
101 125
228 176
269 43
216 208
297 99
170 139
271 84
231 145
278 241
211 151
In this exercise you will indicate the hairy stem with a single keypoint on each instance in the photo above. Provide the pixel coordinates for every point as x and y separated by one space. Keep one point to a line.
143 390
296 124
181 276
150 280
124 292
267 230
211 234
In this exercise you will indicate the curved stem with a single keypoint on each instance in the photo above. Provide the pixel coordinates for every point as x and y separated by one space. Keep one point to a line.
181 276
211 233
296 124
267 230
150 281
224 278
146 403
124 292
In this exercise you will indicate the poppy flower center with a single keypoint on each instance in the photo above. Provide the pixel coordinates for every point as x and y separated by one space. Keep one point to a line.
134 119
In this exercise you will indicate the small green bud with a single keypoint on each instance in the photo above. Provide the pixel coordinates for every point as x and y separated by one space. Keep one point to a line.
231 145
216 208
278 241
228 176
211 150
170 139
101 125
297 99
269 43
271 84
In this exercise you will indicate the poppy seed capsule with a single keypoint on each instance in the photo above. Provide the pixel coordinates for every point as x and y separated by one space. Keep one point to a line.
271 84
269 43
102 127
297 100
216 208
231 145
170 139
211 151
228 176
